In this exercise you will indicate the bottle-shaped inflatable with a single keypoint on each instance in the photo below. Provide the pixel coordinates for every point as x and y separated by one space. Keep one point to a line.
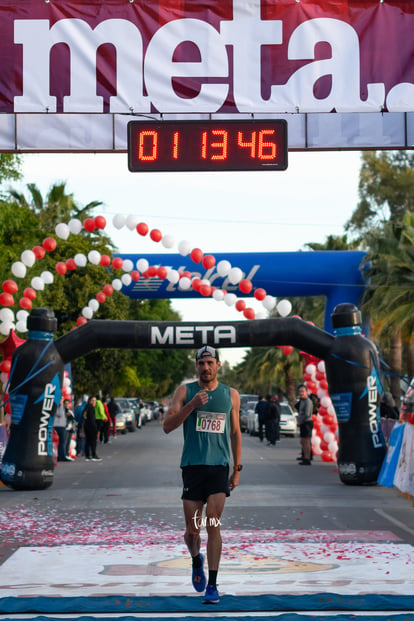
352 369
35 390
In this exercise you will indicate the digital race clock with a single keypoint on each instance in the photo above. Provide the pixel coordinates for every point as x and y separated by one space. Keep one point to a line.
207 145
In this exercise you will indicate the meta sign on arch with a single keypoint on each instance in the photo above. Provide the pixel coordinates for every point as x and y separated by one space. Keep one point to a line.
338 275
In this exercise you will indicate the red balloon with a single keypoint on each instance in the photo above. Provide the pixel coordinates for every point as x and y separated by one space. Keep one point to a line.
89 225
142 228
6 299
156 235
5 366
161 272
196 255
240 305
287 349
117 263
328 419
205 290
185 274
249 313
135 275
411 418
61 268
260 294
323 384
108 290
30 293
71 265
196 284
152 271
145 274
322 410
9 286
25 303
104 260
101 297
209 261
38 252
100 222
81 321
326 456
312 387
49 244
245 285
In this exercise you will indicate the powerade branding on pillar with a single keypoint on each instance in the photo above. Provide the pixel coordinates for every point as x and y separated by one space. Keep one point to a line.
373 417
45 435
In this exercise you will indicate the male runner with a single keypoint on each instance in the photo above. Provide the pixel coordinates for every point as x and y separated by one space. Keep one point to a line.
209 413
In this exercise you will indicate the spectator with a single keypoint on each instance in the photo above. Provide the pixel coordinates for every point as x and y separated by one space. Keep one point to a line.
272 418
100 417
91 430
70 427
113 410
59 424
305 409
260 410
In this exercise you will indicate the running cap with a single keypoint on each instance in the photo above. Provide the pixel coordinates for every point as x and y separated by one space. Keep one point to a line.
207 352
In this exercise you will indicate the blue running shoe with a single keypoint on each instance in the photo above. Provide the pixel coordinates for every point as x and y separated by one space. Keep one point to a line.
198 577
211 595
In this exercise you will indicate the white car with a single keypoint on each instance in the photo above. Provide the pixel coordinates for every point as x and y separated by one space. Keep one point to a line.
288 421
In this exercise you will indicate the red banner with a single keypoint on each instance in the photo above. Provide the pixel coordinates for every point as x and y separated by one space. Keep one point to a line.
188 56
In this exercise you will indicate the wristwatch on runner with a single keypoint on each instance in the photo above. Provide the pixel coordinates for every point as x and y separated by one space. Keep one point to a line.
238 468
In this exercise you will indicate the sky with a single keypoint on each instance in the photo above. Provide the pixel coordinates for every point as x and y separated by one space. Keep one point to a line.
226 212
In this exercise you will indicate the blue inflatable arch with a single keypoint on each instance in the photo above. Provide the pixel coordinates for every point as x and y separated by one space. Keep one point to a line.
336 274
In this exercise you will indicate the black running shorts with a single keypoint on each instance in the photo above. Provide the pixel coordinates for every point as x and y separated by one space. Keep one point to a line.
305 429
200 482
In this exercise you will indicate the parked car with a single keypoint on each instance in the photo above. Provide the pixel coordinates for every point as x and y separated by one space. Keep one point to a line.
126 409
136 406
120 423
245 404
288 421
146 412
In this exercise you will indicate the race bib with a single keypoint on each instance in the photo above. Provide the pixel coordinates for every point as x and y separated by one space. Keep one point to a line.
212 422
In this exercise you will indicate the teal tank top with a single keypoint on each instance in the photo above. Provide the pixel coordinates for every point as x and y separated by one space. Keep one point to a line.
207 430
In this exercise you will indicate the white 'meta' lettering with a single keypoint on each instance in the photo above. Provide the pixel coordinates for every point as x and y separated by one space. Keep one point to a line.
185 335
47 407
246 34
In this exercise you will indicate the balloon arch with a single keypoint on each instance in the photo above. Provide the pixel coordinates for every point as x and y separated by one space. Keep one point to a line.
173 276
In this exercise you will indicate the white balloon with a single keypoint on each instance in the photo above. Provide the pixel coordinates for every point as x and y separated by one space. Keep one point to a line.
184 247
126 279
66 382
37 283
117 284
269 302
132 222
321 393
218 295
205 281
284 307
321 366
87 312
223 267
326 402
75 226
328 436
5 327
94 257
173 276
230 299
18 269
260 315
142 265
168 241
7 315
4 377
311 369
235 275
28 258
93 304
22 315
47 277
184 283
62 230
127 265
80 259
118 221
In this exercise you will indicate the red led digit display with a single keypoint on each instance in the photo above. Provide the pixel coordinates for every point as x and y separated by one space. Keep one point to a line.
207 145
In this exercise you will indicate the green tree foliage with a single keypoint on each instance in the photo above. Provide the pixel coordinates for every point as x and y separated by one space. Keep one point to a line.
24 223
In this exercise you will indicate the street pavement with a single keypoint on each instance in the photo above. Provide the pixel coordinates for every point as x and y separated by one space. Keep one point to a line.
116 526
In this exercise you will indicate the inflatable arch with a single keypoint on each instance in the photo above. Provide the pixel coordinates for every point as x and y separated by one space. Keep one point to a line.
37 371
338 275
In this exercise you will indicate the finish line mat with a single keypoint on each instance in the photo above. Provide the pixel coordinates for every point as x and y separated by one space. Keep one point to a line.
261 571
